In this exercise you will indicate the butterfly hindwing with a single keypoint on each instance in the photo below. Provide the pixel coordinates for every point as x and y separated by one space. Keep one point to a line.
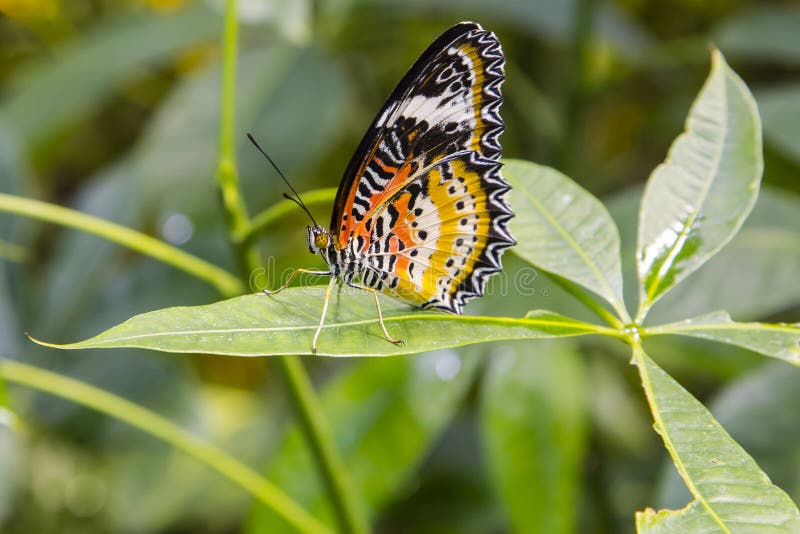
435 243
423 197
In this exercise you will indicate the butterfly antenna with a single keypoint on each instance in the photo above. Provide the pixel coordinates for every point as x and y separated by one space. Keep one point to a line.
296 199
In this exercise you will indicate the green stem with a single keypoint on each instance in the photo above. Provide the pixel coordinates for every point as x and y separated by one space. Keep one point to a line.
153 424
5 401
226 283
307 405
271 215
585 299
227 174
320 437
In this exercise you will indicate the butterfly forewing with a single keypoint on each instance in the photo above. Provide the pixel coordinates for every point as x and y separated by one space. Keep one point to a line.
423 197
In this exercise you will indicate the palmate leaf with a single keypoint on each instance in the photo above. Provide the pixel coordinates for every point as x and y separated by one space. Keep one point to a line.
780 341
695 201
732 494
260 325
563 229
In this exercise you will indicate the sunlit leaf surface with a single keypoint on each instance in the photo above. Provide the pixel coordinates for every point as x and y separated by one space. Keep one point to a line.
693 518
695 201
753 276
260 325
724 480
563 229
777 340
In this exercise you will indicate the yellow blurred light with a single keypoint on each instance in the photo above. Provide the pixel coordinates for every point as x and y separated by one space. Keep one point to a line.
30 10
165 5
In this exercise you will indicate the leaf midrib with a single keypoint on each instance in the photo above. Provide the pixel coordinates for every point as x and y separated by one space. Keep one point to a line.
610 294
670 329
523 322
665 435
675 249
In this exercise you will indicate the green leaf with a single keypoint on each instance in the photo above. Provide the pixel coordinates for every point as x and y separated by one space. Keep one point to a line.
724 480
561 228
534 428
386 415
695 201
780 341
753 276
89 68
754 410
761 33
780 107
261 325
693 518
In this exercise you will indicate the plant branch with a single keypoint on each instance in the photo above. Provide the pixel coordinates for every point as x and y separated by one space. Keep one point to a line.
306 403
227 284
227 173
151 423
320 438
586 299
6 414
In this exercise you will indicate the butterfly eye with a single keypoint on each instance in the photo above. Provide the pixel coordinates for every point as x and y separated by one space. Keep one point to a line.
321 240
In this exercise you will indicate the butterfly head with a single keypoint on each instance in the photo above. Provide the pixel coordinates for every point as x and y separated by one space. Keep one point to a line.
318 238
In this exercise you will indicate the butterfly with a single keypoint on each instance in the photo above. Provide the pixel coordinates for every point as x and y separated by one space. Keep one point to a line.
421 213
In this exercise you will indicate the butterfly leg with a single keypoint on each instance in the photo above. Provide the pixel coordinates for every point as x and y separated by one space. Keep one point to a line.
291 277
324 312
374 292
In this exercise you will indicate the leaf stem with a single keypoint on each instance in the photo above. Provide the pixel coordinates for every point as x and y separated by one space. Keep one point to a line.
320 438
227 173
5 400
307 405
227 284
585 299
154 424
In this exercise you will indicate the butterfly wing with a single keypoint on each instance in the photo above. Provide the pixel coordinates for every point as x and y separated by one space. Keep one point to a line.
447 101
439 238
423 196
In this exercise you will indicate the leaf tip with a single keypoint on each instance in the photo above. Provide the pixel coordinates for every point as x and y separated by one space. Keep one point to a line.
717 58
45 343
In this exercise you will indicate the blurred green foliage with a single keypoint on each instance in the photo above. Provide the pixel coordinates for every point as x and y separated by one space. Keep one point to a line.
112 108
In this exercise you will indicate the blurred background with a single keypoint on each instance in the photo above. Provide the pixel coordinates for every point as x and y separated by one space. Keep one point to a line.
111 107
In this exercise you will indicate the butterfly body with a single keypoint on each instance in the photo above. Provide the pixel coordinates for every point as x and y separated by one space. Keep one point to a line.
420 213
